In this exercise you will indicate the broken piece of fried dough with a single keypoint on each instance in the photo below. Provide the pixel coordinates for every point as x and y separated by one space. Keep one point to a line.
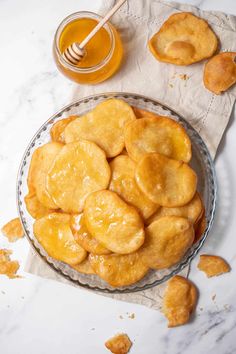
13 230
58 129
167 240
183 39
179 301
119 344
220 72
213 265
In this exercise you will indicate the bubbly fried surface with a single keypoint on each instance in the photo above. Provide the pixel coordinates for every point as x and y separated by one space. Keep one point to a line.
179 301
36 209
13 230
84 238
157 134
104 125
57 131
124 184
220 72
84 267
8 267
183 39
41 162
119 270
192 211
78 170
167 182
54 234
119 344
117 225
167 240
213 265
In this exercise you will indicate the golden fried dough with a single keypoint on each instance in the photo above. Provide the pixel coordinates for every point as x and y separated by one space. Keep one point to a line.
200 226
167 240
13 230
58 129
141 113
183 39
104 125
220 72
119 270
7 266
179 301
117 225
213 265
124 184
78 170
119 344
84 238
41 162
157 134
36 209
167 182
84 267
192 211
54 234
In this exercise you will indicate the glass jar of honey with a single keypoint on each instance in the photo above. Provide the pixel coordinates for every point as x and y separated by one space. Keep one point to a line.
103 53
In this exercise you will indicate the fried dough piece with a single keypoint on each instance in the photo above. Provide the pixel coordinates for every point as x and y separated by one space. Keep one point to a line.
54 234
84 267
84 238
41 162
119 344
167 182
124 184
179 301
117 225
167 240
57 131
192 211
78 170
183 39
220 72
13 230
104 125
8 267
213 265
119 270
200 226
36 209
157 134
142 113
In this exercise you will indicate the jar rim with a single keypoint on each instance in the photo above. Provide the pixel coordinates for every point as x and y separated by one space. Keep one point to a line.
61 27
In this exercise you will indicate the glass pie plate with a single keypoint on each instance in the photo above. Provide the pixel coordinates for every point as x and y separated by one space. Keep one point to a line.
201 162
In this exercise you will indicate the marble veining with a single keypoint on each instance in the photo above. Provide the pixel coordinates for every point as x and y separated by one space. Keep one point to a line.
41 316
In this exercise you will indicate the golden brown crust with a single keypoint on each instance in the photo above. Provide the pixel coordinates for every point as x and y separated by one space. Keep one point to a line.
13 230
183 39
220 72
58 129
7 266
119 344
179 301
213 265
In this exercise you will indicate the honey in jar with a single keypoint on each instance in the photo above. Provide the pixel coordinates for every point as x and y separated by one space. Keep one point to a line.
103 53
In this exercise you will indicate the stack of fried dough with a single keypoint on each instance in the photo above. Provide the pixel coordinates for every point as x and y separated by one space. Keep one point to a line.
112 193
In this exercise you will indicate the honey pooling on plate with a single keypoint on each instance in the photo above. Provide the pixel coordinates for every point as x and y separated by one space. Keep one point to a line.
103 53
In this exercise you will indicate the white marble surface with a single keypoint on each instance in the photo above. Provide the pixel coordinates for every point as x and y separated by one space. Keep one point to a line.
40 316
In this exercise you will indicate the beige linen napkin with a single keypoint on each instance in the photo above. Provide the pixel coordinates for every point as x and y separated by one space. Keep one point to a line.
179 87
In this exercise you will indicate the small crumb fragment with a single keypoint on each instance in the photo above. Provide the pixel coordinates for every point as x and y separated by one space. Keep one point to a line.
213 265
93 329
121 317
213 297
13 230
3 292
132 316
119 344
171 85
183 77
201 309
7 266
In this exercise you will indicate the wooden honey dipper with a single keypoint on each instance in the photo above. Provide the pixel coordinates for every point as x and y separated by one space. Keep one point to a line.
75 52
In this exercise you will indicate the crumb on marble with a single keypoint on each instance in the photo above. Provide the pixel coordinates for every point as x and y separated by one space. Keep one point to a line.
184 77
121 317
171 85
132 316
119 344
213 297
7 266
93 329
